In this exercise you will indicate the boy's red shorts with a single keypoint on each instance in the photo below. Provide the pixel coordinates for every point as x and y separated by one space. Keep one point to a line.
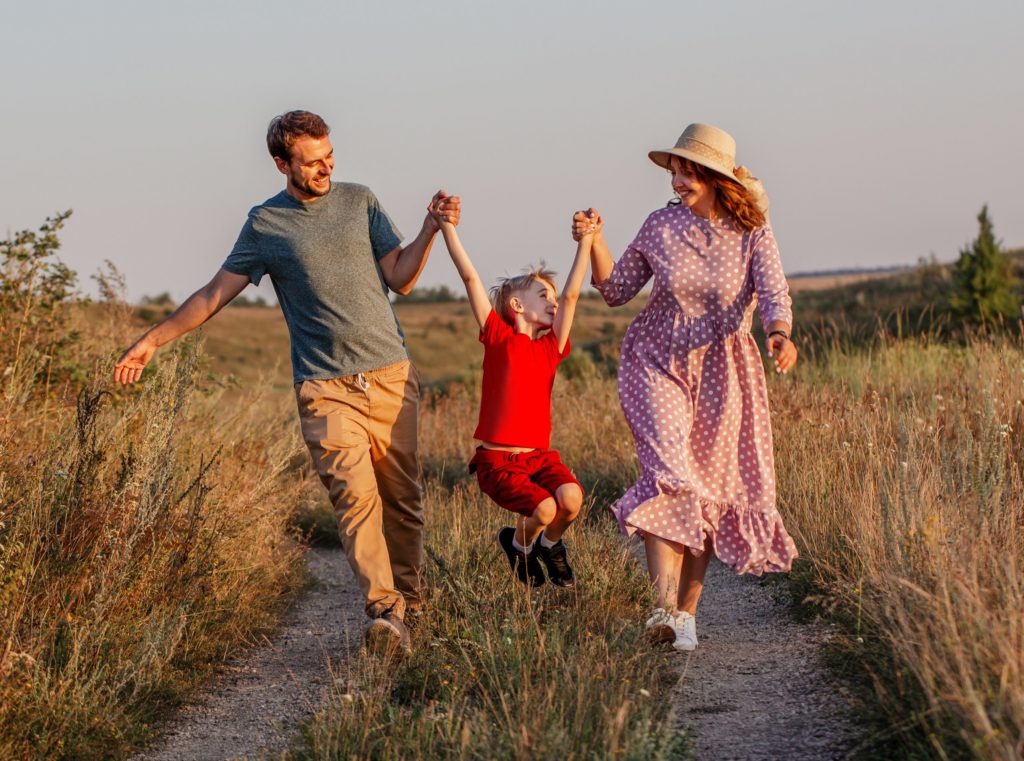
520 481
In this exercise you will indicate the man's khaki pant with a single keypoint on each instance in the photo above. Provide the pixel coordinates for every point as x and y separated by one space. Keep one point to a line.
361 431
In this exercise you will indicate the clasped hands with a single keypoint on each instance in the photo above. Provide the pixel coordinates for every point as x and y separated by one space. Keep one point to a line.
444 208
586 222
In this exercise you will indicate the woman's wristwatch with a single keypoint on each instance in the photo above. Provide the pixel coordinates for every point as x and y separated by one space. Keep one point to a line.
782 333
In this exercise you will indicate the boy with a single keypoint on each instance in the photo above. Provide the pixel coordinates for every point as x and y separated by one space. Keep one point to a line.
525 334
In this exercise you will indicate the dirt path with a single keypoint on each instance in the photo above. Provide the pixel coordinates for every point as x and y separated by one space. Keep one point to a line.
757 686
257 703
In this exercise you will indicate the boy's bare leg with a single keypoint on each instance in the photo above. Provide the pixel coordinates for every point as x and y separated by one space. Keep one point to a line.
569 498
529 527
691 584
664 564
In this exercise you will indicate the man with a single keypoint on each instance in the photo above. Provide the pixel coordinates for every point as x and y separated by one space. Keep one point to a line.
332 253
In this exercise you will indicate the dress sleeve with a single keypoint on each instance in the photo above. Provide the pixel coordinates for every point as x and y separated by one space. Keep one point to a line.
629 275
632 271
773 300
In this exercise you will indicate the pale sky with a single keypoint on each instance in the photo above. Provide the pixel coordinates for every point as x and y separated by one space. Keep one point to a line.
879 128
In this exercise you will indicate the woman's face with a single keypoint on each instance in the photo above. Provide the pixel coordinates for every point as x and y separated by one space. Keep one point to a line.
698 195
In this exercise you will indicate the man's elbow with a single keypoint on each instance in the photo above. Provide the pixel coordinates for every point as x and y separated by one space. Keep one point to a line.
402 289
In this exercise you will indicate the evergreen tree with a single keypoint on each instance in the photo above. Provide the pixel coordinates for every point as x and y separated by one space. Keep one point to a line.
984 278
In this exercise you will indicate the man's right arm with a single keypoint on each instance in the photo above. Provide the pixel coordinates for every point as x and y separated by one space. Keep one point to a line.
197 309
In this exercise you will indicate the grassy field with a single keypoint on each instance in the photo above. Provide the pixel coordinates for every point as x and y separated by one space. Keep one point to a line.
249 345
131 560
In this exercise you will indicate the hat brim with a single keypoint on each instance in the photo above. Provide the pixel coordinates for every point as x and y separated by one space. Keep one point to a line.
662 158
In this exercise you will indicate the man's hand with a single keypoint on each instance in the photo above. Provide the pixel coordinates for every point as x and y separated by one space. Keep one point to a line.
586 222
129 367
783 351
197 309
444 208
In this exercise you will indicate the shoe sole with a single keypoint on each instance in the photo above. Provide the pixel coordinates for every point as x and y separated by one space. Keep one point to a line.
384 639
685 647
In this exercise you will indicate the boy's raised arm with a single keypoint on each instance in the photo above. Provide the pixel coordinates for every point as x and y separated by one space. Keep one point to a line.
571 292
475 290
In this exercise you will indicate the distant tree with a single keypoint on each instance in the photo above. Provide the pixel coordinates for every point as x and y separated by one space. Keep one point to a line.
244 301
983 278
160 300
434 295
933 279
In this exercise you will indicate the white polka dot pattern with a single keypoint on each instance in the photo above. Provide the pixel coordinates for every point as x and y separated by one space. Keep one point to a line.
693 391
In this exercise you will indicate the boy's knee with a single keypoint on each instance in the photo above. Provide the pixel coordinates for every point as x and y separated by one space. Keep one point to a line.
544 513
570 499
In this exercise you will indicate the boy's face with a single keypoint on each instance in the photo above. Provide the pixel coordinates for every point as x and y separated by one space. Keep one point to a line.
537 304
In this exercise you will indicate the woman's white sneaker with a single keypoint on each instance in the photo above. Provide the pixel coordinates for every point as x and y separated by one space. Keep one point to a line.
686 631
661 626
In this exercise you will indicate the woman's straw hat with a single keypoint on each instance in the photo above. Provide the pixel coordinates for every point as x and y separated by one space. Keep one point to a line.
716 149
705 145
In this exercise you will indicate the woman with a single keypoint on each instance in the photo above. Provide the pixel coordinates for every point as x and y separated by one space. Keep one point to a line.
691 381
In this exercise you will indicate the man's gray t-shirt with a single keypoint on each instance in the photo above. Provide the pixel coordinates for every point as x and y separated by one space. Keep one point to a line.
322 257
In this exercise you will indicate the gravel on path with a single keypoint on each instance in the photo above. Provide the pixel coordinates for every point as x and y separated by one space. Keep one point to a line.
757 686
257 702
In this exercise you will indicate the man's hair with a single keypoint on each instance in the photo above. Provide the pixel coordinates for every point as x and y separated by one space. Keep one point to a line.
507 287
289 127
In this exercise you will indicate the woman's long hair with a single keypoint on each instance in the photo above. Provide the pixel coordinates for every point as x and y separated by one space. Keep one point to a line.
734 197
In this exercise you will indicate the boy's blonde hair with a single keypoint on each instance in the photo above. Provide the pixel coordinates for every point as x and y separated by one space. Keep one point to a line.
507 287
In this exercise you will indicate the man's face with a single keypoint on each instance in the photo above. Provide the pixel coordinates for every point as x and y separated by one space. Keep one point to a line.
309 169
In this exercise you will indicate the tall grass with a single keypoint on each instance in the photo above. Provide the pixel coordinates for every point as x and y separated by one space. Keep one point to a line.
900 475
143 534
499 672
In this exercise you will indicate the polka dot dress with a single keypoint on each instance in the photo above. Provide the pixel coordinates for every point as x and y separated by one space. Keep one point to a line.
692 387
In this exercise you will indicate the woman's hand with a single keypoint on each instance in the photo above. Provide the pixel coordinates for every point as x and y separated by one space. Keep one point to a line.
587 222
783 350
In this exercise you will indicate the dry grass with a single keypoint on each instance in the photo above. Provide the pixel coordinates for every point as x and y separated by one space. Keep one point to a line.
900 474
498 672
139 541
249 345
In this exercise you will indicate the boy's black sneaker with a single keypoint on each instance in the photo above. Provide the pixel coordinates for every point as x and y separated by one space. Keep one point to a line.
559 571
526 567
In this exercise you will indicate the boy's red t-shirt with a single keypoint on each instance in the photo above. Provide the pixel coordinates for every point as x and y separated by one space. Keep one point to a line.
515 402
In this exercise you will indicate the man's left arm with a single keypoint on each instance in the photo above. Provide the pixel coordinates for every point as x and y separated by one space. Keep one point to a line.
402 265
